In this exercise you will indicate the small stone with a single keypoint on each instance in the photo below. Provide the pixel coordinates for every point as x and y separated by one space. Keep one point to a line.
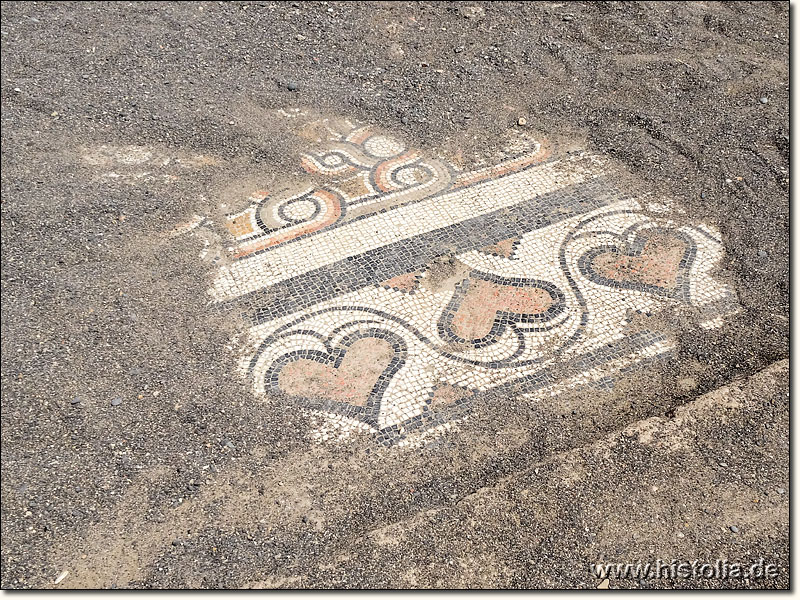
230 122
458 50
404 120
763 253
729 181
116 401
734 529
522 121
781 491
470 12
703 195
568 18
17 90
305 519
291 86
300 37
75 400
680 535
61 577
763 100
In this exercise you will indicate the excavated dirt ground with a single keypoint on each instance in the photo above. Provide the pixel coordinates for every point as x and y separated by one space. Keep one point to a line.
189 481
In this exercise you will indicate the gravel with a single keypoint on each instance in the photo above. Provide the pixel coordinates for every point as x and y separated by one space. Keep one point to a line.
100 306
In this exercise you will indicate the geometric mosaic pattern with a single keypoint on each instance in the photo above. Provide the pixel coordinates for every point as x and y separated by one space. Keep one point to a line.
400 291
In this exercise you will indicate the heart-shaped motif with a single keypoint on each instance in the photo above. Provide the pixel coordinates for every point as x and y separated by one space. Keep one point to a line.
657 261
484 305
351 377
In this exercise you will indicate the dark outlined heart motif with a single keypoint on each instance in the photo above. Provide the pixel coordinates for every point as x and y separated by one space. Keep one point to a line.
483 305
349 379
657 261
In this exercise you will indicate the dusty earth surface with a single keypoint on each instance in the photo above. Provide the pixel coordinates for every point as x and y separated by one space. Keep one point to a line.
134 456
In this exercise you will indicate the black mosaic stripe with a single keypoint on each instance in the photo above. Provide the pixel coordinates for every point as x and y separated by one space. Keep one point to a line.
415 253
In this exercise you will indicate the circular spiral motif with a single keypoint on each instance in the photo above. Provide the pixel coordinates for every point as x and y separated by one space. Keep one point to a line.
299 210
413 175
333 160
383 147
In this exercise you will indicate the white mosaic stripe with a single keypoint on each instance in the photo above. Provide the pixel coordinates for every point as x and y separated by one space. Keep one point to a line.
295 258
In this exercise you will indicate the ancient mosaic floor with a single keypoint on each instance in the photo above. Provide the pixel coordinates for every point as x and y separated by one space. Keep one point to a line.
398 291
